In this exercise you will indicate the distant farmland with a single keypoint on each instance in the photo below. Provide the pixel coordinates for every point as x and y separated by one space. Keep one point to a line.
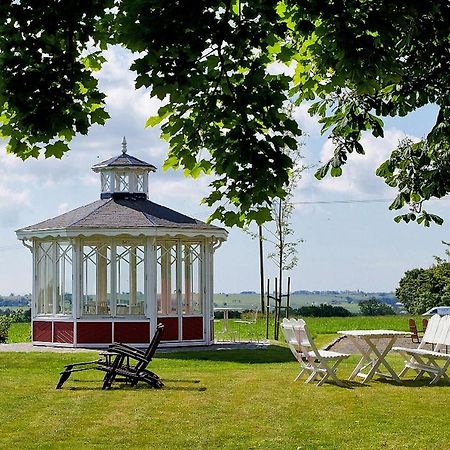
347 300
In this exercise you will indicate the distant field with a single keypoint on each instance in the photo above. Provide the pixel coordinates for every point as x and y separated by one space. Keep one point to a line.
246 301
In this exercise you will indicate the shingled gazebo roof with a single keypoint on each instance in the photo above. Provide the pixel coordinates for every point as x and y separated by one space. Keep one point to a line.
122 215
123 160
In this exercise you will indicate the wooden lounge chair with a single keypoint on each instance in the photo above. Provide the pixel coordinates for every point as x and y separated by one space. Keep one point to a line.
424 325
413 330
434 362
321 364
118 365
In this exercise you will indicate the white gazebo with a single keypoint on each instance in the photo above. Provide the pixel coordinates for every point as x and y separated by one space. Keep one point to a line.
112 270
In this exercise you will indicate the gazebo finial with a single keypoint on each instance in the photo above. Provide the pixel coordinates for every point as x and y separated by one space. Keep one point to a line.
124 145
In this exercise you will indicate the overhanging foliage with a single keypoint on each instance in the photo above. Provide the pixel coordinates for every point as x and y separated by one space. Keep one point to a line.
211 62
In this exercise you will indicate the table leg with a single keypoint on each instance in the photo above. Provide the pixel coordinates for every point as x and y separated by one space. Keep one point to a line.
364 359
225 321
380 359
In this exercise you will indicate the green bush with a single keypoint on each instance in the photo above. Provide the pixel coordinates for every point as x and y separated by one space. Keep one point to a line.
422 289
5 323
323 310
373 307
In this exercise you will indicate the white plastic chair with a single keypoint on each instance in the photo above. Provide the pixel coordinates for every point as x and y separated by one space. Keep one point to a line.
321 364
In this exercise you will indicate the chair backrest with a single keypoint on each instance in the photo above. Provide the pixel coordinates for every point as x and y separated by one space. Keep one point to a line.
424 325
151 349
430 335
443 333
446 341
289 334
306 342
413 330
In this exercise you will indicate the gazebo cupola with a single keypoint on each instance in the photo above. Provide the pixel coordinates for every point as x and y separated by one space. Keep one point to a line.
111 270
124 176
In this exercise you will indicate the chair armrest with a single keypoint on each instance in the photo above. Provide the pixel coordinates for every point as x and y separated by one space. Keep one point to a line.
97 361
125 347
127 352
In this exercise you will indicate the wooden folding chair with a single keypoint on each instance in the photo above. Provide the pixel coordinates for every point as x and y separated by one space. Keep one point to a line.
291 339
423 361
413 330
116 363
321 364
129 373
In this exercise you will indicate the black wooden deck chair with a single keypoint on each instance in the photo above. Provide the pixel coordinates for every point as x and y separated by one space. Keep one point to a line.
118 364
120 368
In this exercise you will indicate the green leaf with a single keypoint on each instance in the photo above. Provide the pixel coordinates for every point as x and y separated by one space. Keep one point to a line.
172 162
57 149
152 121
336 171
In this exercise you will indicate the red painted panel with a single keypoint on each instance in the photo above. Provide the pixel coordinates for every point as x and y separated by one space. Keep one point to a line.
192 328
132 332
94 332
42 331
170 328
63 332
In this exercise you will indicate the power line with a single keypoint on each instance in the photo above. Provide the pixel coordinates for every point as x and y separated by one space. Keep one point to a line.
372 200
326 202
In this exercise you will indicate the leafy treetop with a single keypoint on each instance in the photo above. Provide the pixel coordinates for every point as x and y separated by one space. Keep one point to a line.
212 65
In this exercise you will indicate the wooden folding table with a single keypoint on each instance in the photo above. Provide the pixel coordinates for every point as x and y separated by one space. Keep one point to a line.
373 345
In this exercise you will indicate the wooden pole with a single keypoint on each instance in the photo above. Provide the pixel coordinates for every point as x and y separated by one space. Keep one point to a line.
288 297
277 311
267 309
261 266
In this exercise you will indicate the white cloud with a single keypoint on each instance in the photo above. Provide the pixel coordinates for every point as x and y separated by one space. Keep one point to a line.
117 81
358 180
309 124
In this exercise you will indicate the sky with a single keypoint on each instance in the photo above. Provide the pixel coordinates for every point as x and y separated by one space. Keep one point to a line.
349 238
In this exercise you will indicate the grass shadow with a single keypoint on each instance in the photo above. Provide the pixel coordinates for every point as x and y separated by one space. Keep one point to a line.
265 355
423 382
139 387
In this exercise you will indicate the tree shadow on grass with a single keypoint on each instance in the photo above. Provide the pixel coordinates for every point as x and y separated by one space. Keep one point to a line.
423 382
263 355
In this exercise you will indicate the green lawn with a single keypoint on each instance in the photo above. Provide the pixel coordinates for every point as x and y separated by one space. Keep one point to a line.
19 332
246 399
318 325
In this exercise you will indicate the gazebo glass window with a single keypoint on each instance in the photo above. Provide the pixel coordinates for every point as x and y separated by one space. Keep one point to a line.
191 278
53 278
130 279
122 183
140 183
64 277
45 277
167 272
96 279
106 182
113 289
179 278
